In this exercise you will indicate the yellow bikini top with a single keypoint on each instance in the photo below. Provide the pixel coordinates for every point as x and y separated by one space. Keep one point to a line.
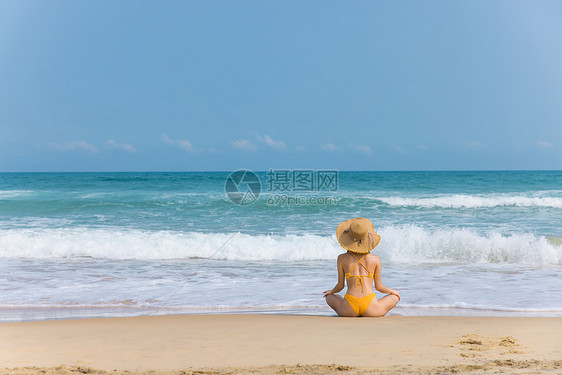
359 277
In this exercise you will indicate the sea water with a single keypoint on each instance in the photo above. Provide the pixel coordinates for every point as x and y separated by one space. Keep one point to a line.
122 244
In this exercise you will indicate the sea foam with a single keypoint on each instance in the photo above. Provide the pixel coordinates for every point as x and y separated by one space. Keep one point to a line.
472 201
403 244
13 193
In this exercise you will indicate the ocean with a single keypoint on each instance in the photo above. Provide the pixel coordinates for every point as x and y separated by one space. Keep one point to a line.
76 245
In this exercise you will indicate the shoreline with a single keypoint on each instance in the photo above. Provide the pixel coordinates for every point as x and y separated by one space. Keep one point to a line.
242 343
19 314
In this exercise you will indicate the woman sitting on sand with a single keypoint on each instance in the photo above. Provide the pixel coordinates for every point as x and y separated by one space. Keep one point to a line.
359 267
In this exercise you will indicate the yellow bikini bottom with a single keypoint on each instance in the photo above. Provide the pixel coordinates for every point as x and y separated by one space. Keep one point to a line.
360 304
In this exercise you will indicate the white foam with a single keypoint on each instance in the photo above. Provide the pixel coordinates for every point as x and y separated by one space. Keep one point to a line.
472 201
412 243
399 244
468 306
14 193
135 244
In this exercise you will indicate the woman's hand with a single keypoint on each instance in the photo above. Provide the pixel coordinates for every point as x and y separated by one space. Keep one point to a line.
328 292
395 293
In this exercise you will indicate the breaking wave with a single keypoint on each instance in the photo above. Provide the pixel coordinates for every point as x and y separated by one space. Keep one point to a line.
399 244
472 201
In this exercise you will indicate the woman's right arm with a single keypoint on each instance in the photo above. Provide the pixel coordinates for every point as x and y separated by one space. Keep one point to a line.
378 284
341 279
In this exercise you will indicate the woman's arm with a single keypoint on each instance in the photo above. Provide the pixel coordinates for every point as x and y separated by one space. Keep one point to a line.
341 279
378 284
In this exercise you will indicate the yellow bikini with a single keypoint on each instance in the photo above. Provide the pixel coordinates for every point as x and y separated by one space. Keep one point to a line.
359 304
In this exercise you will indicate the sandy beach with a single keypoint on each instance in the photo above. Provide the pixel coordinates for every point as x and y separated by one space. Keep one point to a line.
221 344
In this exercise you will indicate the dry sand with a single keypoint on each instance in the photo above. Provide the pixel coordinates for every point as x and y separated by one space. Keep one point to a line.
282 344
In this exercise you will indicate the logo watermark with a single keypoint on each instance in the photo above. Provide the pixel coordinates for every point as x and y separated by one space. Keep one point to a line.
287 180
297 200
242 187
286 186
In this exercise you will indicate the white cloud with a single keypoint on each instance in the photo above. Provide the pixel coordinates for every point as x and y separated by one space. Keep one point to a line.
123 146
422 147
399 149
184 144
475 145
300 148
76 145
330 147
244 144
362 149
275 145
543 144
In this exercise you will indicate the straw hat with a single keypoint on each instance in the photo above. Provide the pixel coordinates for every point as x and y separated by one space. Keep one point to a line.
357 235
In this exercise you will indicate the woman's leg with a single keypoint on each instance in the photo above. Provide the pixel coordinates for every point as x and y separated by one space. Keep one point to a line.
340 305
382 306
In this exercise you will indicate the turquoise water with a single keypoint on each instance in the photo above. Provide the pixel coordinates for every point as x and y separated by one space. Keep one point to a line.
176 201
118 244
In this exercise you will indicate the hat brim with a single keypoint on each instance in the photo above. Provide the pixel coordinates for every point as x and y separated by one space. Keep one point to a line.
350 244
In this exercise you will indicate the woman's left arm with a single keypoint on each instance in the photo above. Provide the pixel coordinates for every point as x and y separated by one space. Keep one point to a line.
341 279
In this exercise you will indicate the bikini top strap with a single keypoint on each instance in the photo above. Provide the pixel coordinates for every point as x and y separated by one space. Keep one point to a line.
359 262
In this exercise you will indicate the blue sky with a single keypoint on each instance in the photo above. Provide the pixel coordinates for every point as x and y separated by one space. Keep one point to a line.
83 85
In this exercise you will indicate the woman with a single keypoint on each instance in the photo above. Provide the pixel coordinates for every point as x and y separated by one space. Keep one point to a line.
360 268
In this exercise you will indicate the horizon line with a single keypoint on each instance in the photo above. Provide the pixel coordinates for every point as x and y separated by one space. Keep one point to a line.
296 169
